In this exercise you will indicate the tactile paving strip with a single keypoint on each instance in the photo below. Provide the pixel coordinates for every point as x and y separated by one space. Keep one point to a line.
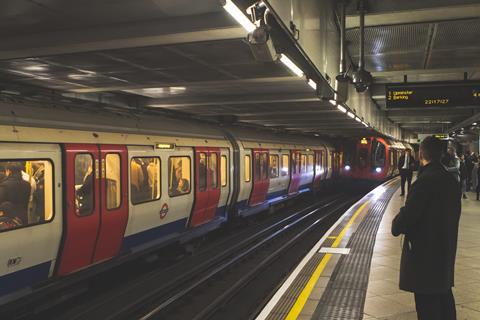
344 296
287 301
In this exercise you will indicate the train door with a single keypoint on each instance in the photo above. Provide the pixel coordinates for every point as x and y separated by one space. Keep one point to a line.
96 209
295 174
261 179
207 189
114 204
317 169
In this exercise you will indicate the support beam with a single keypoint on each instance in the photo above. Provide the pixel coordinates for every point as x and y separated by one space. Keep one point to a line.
416 16
205 27
194 84
231 100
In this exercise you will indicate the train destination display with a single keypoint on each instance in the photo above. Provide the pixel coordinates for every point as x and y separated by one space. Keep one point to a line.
427 95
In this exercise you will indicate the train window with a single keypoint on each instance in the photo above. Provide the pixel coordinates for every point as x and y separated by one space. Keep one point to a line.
362 158
223 170
274 166
303 163
257 167
178 176
26 193
144 179
202 172
213 170
264 165
391 158
285 159
310 162
84 184
248 167
113 181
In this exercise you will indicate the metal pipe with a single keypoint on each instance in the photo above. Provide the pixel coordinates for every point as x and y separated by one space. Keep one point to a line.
342 37
361 62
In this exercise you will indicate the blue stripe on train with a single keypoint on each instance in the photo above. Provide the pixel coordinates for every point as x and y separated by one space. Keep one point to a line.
167 231
24 278
155 235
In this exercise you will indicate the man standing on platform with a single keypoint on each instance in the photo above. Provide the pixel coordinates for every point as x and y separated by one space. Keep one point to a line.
406 165
429 220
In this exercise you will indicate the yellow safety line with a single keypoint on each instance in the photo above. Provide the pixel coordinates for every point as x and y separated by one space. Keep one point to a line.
303 297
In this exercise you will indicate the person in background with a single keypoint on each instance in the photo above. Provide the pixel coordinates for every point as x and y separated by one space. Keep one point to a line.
452 163
406 165
468 169
8 220
463 176
429 220
16 191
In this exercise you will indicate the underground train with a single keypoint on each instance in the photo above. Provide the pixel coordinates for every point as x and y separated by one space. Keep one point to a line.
373 158
80 190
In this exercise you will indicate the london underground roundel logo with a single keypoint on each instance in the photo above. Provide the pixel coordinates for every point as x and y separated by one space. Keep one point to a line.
164 211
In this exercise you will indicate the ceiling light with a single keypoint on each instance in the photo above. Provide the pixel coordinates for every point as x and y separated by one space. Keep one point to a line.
238 15
312 84
333 102
316 135
358 119
35 67
365 124
290 65
351 115
474 124
342 108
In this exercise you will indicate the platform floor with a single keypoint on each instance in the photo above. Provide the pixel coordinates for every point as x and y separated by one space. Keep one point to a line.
312 289
386 301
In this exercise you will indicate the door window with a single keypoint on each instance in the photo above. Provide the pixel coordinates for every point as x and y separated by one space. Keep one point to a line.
84 184
212 170
202 172
303 163
310 162
113 180
144 179
264 165
179 176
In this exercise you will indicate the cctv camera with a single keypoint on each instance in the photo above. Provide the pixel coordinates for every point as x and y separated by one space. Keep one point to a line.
361 79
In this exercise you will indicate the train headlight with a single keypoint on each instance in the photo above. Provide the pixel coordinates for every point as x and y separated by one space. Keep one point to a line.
378 169
347 167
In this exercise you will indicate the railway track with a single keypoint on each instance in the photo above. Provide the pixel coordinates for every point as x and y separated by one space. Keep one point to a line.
213 273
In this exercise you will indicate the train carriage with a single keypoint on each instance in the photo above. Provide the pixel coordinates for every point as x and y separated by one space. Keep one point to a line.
103 192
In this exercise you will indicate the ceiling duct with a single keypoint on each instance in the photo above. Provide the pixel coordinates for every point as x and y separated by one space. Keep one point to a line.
342 78
361 78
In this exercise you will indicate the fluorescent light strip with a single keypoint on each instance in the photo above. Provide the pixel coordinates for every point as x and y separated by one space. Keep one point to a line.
238 15
290 65
333 102
342 108
312 84
358 119
351 115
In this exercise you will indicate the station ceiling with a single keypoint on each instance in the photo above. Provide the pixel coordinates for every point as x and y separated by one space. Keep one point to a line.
190 57
420 41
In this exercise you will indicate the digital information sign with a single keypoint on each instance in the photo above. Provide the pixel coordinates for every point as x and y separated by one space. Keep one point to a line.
419 95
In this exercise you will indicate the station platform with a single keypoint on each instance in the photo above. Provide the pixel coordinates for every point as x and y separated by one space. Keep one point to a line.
353 270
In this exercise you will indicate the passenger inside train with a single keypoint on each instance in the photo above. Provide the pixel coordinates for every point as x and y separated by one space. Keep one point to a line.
179 175
84 184
22 193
